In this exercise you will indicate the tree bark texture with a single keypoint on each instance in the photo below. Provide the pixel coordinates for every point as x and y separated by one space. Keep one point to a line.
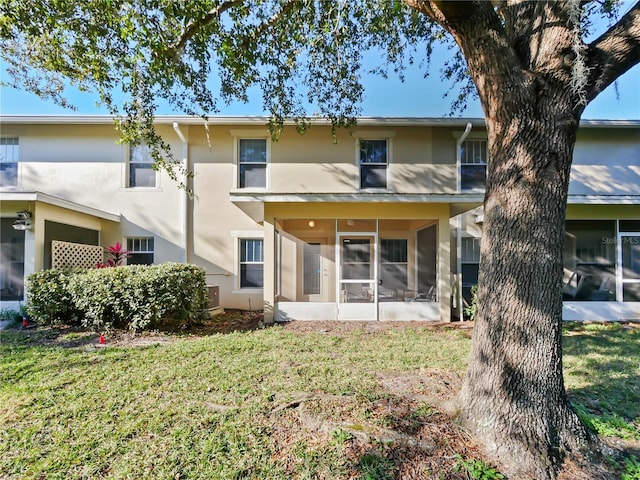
520 56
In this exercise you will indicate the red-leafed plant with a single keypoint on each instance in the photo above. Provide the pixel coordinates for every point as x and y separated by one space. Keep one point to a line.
115 256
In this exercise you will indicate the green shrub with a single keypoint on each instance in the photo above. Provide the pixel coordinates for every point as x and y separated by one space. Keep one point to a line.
472 309
137 296
476 469
134 297
49 298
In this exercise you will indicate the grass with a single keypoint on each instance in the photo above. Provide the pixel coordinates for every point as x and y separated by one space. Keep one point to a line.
602 376
267 404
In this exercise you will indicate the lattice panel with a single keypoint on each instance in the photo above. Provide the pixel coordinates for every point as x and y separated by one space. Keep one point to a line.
75 255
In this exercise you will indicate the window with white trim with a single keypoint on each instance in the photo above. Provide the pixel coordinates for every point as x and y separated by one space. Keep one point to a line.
251 263
140 250
140 168
473 164
9 150
252 163
373 161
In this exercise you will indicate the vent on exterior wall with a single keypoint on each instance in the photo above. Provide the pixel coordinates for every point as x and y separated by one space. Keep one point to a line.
214 296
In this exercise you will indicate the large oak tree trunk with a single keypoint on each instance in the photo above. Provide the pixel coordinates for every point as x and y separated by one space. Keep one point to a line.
514 397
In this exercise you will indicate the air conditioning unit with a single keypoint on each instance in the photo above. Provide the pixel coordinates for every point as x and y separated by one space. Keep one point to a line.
214 296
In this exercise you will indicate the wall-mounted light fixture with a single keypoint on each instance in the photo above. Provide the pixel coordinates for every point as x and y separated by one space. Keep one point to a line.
312 223
24 220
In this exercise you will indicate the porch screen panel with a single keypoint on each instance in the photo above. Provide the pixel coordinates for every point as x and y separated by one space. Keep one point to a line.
427 261
393 264
11 261
356 259
311 267
631 268
589 260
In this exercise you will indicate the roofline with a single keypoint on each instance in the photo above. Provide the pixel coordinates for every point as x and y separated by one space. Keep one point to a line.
21 196
263 120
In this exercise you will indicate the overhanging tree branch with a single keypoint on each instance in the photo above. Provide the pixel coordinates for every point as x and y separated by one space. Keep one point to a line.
614 52
194 26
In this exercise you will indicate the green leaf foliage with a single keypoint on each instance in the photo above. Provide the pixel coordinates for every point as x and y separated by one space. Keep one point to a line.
134 297
50 299
305 56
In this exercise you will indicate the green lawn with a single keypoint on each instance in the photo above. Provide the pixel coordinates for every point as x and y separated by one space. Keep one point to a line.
264 404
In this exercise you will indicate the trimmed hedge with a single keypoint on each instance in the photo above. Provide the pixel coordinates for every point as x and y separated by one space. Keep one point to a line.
50 300
134 297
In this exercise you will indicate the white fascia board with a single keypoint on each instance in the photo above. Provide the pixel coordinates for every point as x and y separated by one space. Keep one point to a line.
262 120
603 200
239 196
58 202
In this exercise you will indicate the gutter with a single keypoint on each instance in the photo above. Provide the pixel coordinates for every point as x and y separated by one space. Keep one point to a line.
459 300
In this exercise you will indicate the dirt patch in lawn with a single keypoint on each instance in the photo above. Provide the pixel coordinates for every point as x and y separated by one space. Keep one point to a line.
344 327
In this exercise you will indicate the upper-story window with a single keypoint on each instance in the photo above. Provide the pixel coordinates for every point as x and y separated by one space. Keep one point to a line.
373 160
473 164
140 250
9 162
141 171
252 163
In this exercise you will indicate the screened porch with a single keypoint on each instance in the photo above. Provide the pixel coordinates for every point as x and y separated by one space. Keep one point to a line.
356 269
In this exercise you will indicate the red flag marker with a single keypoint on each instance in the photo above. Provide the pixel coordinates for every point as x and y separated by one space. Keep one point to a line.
101 340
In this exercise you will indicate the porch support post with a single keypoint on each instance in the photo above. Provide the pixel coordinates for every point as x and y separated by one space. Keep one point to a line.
444 271
269 269
29 259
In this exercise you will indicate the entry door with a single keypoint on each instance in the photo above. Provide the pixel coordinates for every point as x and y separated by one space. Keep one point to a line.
630 263
357 270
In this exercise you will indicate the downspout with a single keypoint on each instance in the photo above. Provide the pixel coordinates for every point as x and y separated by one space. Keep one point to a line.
185 198
459 300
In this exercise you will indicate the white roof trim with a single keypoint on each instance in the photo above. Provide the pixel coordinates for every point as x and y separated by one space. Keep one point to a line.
604 199
239 196
58 202
262 120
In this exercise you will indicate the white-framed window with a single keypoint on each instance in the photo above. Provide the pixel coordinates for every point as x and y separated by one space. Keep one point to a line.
252 162
373 162
473 164
141 173
141 250
251 266
9 153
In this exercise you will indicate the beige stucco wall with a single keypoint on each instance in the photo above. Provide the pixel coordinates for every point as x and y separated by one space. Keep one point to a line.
606 162
314 162
86 165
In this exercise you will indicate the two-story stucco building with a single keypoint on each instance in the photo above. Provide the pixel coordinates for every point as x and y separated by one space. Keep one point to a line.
382 224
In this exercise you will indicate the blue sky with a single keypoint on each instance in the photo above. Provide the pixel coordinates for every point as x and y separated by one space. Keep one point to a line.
416 97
